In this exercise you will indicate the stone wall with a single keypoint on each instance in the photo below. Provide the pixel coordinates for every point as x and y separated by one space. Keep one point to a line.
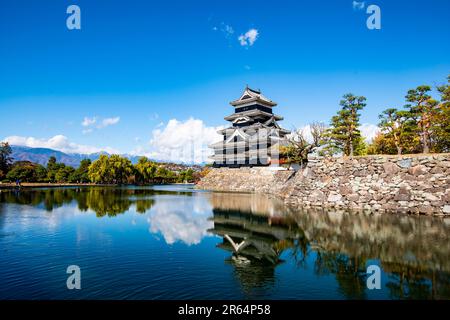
257 179
413 184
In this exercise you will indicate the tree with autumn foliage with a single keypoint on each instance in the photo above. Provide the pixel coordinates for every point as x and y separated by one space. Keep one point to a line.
424 110
441 121
398 127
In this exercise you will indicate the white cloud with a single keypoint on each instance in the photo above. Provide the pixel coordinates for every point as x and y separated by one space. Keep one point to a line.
176 224
181 141
58 142
94 123
109 122
87 122
358 5
369 131
249 38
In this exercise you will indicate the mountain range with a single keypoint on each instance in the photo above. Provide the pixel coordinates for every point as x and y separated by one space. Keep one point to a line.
41 156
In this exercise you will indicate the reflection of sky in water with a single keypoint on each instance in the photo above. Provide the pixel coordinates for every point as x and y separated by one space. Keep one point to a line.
152 243
181 218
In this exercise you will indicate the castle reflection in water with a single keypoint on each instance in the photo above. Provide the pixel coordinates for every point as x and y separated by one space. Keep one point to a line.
261 234
414 251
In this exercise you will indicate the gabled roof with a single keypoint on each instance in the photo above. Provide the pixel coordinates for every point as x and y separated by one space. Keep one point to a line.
252 114
247 131
242 119
251 95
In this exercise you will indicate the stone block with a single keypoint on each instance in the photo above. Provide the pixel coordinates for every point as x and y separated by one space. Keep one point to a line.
390 168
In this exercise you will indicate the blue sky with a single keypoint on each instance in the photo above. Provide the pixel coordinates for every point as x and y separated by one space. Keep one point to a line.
136 65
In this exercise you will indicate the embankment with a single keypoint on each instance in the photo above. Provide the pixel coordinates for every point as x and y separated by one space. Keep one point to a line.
418 184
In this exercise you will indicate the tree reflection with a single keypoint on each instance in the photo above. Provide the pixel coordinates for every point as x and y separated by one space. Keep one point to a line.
413 252
413 283
350 273
103 201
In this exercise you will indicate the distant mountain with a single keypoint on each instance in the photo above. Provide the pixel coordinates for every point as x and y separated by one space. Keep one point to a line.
41 155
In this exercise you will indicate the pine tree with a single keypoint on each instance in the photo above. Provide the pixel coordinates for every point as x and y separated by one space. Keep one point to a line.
344 132
423 109
441 121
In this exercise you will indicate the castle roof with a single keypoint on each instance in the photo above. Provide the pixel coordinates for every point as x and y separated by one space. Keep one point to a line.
252 96
252 113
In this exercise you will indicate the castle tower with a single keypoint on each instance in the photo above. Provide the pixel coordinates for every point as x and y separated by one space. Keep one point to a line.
254 136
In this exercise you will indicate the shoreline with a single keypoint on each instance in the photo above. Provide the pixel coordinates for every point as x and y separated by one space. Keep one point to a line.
30 185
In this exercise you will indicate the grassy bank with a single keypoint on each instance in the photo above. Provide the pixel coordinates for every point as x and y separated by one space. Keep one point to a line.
51 185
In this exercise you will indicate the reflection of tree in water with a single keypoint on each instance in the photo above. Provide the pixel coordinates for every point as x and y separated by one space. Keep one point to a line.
414 283
107 202
103 201
49 198
350 273
413 252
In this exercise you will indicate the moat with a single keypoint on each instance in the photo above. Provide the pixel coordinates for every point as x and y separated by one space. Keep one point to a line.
176 242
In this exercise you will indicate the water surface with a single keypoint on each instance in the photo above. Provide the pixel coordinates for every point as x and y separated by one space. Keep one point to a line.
174 242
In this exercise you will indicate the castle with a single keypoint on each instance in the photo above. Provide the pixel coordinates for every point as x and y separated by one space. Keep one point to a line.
254 137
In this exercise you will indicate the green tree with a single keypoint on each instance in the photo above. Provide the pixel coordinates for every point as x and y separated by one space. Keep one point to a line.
23 171
344 133
63 174
381 145
41 173
121 169
51 163
81 174
52 169
441 121
163 175
145 170
5 158
423 108
114 170
186 176
99 170
398 126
